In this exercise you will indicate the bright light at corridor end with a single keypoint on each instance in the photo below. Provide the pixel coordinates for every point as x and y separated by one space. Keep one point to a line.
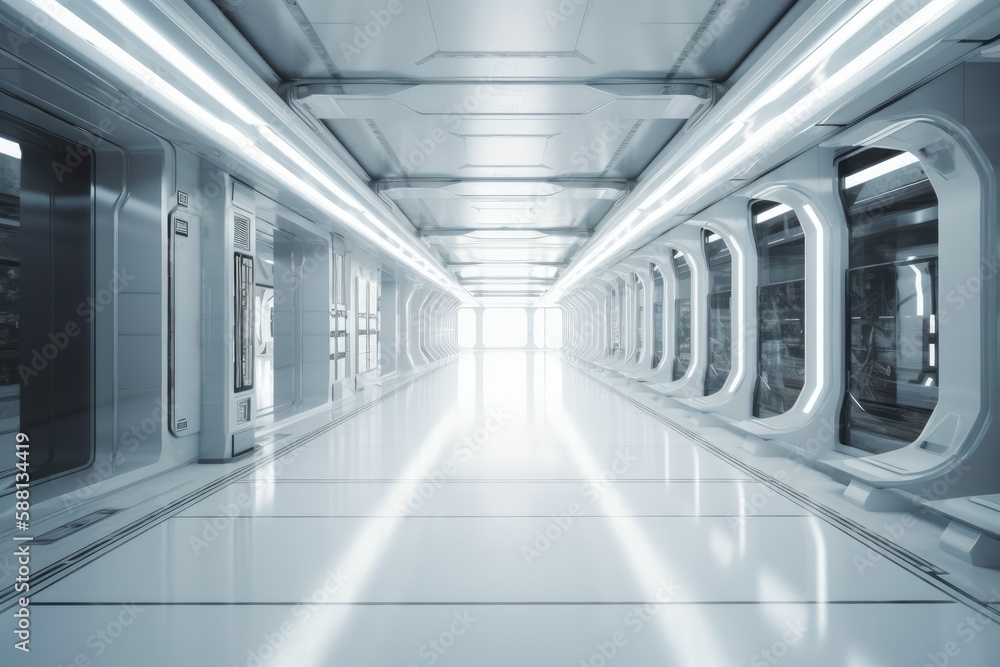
720 139
310 180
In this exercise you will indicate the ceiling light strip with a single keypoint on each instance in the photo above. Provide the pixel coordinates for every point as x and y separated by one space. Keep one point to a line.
239 141
676 194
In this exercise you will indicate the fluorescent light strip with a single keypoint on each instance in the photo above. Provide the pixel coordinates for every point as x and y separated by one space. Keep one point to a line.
10 148
880 169
779 88
171 54
920 20
772 213
865 18
718 143
92 36
309 167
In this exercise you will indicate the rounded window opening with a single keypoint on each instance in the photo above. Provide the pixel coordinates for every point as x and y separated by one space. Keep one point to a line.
892 299
720 318
658 334
781 305
682 314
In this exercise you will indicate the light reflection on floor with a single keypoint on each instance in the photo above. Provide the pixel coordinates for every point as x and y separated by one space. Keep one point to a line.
505 510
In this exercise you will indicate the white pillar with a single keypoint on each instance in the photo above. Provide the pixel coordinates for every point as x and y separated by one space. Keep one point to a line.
479 328
531 328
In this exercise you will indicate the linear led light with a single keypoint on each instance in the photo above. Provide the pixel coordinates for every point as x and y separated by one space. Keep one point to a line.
171 54
880 169
730 132
821 318
304 163
10 148
919 289
865 18
773 212
80 28
753 142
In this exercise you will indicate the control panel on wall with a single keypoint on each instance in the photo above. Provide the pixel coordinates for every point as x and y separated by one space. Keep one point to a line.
339 336
368 325
243 334
184 297
243 249
338 340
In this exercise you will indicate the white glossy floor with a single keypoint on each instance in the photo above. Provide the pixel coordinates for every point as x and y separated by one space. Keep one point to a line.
503 511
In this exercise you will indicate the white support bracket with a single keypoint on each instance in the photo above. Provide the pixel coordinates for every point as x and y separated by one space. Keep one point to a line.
970 545
872 499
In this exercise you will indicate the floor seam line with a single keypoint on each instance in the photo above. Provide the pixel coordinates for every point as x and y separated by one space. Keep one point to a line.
59 570
895 553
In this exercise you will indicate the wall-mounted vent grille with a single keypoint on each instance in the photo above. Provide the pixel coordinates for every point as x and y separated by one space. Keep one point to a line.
241 233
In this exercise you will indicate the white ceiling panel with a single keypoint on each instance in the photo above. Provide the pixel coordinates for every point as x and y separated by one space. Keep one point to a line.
484 213
511 26
505 132
435 148
504 150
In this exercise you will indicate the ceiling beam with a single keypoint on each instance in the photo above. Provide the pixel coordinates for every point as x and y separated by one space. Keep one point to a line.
524 280
478 293
501 189
487 263
521 100
555 231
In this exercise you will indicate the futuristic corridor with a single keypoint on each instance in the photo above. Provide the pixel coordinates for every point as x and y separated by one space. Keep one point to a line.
468 333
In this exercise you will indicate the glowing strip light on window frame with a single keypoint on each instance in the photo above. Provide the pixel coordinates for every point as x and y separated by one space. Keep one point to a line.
879 170
819 294
772 213
10 148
